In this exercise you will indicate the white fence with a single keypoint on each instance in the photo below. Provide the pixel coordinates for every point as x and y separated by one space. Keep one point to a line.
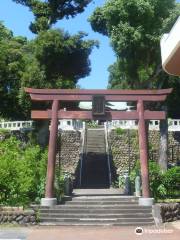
16 125
173 124
69 124
19 125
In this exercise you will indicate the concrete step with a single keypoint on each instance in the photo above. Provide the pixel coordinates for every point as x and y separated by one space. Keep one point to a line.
101 203
96 136
98 211
99 207
95 215
94 144
98 139
88 151
99 224
97 220
101 192
93 150
105 199
96 150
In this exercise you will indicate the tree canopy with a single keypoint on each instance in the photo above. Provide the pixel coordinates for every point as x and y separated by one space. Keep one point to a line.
54 59
11 67
135 28
49 12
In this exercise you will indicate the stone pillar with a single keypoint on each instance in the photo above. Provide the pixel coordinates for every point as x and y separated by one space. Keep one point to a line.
145 200
49 199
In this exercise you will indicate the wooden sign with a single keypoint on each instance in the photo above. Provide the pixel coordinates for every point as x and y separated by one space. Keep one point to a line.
98 105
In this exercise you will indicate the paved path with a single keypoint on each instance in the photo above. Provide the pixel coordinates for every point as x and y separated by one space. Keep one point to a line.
171 231
14 233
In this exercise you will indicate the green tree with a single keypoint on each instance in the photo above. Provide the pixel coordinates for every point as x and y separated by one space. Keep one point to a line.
49 12
11 67
135 28
54 59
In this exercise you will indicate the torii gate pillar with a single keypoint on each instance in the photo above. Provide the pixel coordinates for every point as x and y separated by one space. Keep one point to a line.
49 199
143 150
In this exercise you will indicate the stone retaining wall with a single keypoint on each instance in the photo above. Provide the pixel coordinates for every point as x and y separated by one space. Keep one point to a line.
69 148
14 215
125 145
170 212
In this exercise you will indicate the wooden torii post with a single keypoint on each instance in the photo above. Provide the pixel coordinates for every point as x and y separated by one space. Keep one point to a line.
56 96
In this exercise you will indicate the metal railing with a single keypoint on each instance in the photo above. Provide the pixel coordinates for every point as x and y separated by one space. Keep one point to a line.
107 152
83 137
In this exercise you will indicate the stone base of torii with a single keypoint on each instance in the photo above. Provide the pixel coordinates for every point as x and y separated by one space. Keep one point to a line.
54 114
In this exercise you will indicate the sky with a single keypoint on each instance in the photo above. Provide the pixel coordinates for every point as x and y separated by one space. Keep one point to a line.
17 18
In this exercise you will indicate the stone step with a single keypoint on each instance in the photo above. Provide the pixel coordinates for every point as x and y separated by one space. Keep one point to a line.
95 215
98 151
103 192
94 144
95 141
97 220
98 207
95 138
100 224
98 211
101 203
104 199
93 150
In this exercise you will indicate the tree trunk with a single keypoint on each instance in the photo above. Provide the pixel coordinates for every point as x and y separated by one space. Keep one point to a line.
163 148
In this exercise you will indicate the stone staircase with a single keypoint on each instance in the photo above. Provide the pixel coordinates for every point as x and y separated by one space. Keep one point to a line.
95 166
104 210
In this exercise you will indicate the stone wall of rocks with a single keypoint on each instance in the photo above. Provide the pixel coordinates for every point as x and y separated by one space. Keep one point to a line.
122 149
15 215
69 147
124 145
170 212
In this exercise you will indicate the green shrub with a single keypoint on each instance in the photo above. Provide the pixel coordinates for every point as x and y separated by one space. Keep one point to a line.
92 124
120 131
21 172
155 179
171 181
162 185
4 131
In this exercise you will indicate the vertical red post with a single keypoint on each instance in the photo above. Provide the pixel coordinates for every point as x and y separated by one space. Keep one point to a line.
143 150
52 151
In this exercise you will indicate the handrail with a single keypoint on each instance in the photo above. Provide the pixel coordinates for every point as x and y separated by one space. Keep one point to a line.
107 151
83 135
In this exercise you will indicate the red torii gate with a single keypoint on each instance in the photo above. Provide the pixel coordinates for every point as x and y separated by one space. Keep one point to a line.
55 96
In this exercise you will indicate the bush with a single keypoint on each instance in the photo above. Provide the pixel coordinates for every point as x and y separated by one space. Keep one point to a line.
92 124
22 170
171 181
120 131
162 185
